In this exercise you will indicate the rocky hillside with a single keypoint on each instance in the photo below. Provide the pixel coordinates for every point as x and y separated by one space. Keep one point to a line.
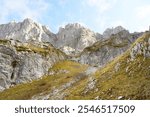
71 39
75 37
62 76
22 62
103 51
111 31
126 77
75 63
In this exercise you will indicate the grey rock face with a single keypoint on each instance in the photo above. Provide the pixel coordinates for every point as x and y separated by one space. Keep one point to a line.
20 64
104 51
99 36
26 30
109 31
71 39
76 37
141 48
91 84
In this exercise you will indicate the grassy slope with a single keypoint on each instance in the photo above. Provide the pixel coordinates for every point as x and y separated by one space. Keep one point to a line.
4 42
131 81
27 90
48 50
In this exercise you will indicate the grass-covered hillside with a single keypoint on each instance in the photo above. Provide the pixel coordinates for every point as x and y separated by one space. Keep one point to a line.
126 77
60 74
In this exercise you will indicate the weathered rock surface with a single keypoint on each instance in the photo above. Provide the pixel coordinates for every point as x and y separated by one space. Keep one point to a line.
24 62
109 31
26 30
141 49
76 37
106 50
71 39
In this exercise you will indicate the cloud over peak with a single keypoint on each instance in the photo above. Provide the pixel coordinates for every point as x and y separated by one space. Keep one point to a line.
22 9
100 5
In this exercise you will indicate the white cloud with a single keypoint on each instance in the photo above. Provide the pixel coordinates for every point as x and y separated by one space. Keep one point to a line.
118 23
100 5
143 12
98 13
22 9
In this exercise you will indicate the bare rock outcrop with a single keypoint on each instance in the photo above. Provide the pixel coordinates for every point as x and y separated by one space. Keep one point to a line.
26 30
109 31
23 62
76 37
141 48
106 50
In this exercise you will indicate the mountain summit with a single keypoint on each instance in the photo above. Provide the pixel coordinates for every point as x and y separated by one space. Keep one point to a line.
26 30
76 37
72 39
109 31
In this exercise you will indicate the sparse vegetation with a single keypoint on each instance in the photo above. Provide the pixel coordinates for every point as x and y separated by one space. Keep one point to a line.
109 42
4 41
44 51
34 48
130 81
22 48
47 83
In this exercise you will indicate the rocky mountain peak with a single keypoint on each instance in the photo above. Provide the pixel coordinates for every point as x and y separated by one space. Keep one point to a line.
28 20
26 30
109 31
73 25
71 39
107 49
70 26
76 37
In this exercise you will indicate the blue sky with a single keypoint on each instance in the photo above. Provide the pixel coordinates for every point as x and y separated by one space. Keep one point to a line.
94 14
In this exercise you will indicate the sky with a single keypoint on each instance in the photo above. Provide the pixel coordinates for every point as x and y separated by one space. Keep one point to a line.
97 15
